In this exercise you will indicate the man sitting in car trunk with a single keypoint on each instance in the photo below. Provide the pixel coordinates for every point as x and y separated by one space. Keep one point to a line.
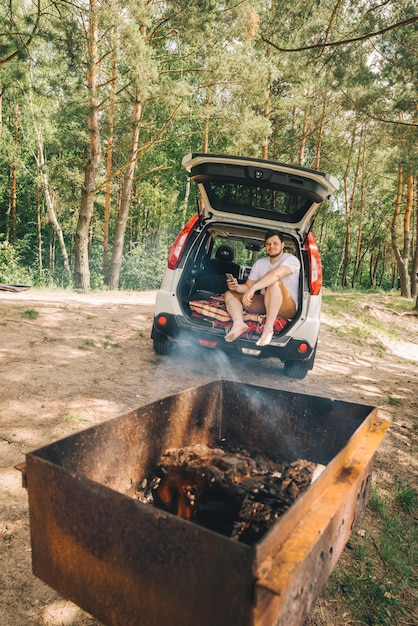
277 278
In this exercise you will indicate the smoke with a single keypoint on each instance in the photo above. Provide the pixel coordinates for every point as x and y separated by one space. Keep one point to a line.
222 364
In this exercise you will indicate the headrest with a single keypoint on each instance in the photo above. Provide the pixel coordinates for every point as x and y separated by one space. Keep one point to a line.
224 253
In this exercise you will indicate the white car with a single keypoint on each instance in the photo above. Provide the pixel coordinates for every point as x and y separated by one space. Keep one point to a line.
240 199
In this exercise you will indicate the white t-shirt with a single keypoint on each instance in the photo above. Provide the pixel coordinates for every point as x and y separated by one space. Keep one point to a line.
262 266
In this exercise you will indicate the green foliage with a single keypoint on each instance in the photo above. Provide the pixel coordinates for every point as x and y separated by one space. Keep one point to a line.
331 259
11 270
377 501
144 266
204 72
407 498
394 401
30 314
374 597
88 343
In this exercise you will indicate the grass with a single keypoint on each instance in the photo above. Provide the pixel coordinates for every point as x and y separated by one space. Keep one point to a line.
378 575
376 578
407 498
393 401
88 343
30 314
350 299
346 306
108 342
76 419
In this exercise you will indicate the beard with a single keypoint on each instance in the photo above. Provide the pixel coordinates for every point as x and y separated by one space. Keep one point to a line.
276 255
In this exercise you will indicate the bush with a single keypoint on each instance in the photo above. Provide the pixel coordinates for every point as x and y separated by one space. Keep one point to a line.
144 266
11 270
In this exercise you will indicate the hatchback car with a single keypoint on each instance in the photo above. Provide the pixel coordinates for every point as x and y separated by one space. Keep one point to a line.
240 199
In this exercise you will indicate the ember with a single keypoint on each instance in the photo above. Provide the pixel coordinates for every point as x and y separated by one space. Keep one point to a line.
227 491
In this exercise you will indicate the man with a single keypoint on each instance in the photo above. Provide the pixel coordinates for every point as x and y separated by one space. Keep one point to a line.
277 277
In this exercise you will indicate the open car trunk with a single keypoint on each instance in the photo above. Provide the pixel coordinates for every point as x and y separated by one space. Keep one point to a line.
227 248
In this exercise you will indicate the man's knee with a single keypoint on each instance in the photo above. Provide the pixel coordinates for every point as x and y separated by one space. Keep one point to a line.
230 295
277 285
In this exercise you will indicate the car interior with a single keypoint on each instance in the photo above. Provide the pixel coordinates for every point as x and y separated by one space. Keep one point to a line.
223 250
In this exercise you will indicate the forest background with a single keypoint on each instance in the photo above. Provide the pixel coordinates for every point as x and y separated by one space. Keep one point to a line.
100 100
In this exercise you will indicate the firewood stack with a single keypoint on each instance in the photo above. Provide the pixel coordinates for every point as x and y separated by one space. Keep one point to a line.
227 491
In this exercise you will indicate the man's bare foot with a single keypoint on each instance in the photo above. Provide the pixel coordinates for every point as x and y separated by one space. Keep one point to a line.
265 338
238 329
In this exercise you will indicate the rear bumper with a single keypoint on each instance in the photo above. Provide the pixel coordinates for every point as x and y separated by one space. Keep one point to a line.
176 328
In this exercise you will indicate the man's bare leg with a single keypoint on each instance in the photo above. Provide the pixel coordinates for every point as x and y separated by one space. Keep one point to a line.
273 299
236 311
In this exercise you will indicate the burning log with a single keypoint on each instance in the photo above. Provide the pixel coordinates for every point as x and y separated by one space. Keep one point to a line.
227 491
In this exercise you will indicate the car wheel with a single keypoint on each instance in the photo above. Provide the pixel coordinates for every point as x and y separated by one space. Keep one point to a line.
299 369
162 347
295 369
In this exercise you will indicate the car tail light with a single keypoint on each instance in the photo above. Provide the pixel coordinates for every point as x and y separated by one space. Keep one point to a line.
178 246
315 266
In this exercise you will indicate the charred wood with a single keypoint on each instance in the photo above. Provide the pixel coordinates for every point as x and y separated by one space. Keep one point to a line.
230 492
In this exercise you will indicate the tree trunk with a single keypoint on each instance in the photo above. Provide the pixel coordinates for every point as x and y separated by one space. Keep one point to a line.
50 206
414 269
292 157
360 223
109 164
304 133
206 123
126 197
374 263
383 264
320 132
14 174
402 258
267 112
349 207
1 114
81 251
39 227
47 191
186 200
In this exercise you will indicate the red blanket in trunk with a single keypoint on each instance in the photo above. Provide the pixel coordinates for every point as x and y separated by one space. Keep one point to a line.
214 311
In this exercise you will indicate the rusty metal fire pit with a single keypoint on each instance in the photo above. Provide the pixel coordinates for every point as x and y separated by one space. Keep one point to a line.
130 564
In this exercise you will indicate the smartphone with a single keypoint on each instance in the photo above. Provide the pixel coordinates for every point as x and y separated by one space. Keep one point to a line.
229 277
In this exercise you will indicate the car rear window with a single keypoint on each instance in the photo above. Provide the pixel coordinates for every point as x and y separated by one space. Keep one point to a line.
260 200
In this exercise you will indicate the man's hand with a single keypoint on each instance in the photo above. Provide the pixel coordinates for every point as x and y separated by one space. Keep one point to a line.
232 284
248 298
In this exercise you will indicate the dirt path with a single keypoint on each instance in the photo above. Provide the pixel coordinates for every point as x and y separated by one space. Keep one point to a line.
88 358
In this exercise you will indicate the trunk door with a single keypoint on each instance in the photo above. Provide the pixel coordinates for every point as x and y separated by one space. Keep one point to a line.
255 191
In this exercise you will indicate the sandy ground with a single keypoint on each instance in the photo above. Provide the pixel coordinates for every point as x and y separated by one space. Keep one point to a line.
88 358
